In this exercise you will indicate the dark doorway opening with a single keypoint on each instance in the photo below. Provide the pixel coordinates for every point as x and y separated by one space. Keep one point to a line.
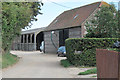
63 35
25 38
21 38
28 38
39 39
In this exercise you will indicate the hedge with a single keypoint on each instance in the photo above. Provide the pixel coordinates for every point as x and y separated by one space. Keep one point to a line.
88 47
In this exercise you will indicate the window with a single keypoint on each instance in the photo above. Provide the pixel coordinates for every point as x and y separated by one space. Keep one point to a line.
75 16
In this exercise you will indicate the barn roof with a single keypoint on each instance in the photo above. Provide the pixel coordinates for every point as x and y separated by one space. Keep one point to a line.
74 17
33 31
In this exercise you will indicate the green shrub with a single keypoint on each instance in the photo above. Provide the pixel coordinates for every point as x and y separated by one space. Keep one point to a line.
90 71
114 49
65 63
88 47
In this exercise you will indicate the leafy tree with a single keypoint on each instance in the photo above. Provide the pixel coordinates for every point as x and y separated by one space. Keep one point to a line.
15 16
104 24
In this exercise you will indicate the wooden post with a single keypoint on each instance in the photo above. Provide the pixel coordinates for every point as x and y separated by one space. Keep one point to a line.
27 39
20 42
23 42
27 47
34 41
31 38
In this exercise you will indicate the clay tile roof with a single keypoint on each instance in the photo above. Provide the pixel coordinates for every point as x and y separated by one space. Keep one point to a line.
74 17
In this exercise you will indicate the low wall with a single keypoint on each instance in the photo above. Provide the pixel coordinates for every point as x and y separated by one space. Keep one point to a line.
24 46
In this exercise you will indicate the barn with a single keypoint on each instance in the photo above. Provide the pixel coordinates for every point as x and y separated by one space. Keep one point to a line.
69 24
29 40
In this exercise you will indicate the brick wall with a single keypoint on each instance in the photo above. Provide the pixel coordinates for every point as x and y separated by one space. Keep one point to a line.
108 64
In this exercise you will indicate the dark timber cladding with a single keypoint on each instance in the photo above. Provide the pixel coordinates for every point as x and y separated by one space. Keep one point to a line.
51 42
29 40
69 24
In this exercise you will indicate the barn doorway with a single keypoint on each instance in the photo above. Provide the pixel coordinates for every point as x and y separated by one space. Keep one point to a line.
63 35
39 39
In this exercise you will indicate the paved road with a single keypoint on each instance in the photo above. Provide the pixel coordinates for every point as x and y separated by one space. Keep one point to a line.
40 65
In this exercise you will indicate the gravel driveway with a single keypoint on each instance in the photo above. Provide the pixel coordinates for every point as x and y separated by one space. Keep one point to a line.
40 65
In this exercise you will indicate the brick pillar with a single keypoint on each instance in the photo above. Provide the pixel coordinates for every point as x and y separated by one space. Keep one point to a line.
107 64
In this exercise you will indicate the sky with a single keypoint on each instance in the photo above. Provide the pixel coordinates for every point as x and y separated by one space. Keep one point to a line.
53 8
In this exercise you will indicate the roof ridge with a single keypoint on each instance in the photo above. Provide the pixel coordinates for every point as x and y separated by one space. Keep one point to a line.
78 8
85 5
66 18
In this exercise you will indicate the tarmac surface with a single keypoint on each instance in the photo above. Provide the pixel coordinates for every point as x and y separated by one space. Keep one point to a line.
41 65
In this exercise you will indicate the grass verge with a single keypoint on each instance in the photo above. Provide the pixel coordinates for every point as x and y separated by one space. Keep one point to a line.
65 63
90 71
8 60
94 76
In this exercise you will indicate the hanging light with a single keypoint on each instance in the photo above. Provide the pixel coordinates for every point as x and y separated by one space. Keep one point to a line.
53 32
